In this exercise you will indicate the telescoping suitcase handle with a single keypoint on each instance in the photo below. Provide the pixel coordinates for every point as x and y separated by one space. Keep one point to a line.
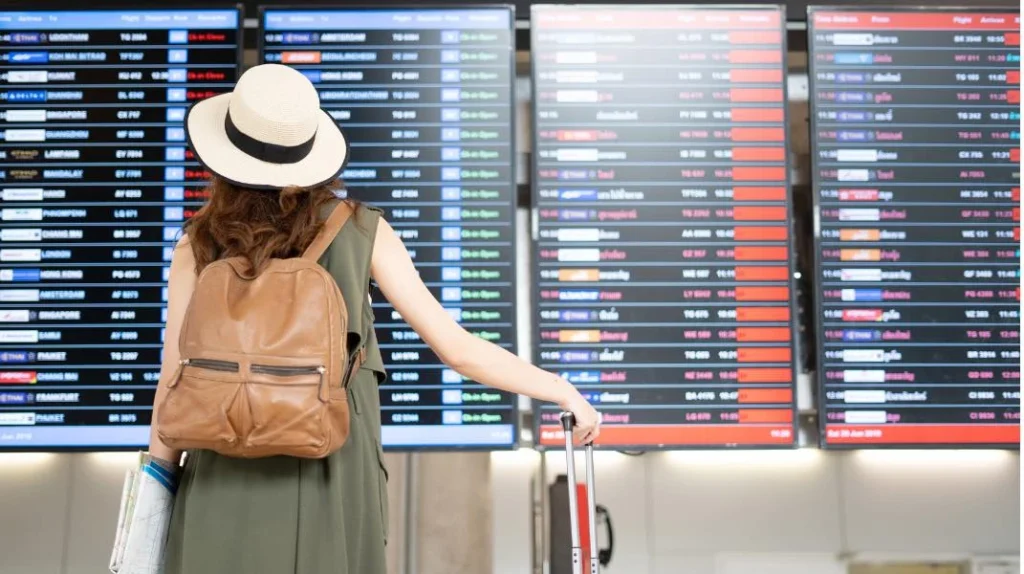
568 422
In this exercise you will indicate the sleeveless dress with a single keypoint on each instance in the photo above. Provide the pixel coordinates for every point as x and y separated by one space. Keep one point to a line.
284 515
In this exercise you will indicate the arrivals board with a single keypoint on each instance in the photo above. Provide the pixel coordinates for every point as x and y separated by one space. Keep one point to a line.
916 147
662 280
95 183
425 97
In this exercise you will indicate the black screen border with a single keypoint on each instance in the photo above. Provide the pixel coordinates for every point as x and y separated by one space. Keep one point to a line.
819 308
141 7
790 241
513 399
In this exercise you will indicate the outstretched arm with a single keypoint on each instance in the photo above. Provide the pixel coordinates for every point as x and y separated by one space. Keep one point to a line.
467 354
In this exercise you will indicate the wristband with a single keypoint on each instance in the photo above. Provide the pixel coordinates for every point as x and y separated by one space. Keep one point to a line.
165 464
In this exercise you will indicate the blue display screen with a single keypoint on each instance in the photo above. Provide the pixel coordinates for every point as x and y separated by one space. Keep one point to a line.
95 183
426 98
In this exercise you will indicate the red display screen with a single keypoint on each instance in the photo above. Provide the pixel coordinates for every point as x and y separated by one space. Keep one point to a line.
916 176
662 246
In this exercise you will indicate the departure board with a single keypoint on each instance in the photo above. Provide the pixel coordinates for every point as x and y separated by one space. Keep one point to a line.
916 147
662 217
95 183
425 97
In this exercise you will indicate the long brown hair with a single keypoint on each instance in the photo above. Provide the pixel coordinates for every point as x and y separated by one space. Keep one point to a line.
256 225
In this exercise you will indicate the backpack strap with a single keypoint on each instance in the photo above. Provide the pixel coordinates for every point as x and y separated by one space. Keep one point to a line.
338 218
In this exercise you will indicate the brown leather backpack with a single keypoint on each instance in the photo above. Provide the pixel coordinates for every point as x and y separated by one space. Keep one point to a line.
265 362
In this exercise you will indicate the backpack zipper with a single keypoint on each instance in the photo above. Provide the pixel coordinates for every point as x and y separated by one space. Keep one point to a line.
231 367
348 371
287 371
291 371
211 364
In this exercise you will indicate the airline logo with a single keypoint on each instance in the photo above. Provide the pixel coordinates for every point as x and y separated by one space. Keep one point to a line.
866 376
859 195
300 57
865 315
579 255
865 417
859 235
870 356
16 357
860 274
861 294
581 377
855 335
859 214
860 254
19 295
22 275
20 336
17 419
22 214
18 377
21 234
15 316
571 275
20 255
25 115
22 194
15 398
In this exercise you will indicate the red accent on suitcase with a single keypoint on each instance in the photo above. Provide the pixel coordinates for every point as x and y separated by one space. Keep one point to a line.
584 514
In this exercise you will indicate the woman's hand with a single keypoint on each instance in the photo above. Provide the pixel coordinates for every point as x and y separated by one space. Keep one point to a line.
588 421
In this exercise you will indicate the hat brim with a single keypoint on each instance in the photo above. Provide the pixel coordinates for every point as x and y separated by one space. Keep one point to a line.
206 135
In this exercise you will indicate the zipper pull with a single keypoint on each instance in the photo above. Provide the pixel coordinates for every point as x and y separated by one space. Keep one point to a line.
178 373
323 392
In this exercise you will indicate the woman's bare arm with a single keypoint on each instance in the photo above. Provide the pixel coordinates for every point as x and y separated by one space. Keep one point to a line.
179 292
467 354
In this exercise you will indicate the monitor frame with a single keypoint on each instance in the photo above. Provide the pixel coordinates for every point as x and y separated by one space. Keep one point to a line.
817 318
67 6
513 399
793 323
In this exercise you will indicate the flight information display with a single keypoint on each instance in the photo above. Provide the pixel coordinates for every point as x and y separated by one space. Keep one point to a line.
662 218
95 183
425 96
916 147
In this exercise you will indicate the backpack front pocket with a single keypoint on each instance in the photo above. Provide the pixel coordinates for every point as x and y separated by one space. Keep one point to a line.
287 412
203 405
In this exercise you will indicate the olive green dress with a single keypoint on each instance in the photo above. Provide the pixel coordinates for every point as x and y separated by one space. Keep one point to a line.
286 515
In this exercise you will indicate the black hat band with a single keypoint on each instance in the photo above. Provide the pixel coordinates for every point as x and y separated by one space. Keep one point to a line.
268 152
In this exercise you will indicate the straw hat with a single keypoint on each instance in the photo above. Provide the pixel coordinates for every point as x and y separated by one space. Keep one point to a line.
269 133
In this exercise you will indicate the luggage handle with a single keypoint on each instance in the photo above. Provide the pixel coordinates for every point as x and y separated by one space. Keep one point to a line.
568 422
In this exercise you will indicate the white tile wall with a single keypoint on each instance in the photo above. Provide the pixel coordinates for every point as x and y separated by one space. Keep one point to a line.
937 501
782 501
33 512
780 512
93 505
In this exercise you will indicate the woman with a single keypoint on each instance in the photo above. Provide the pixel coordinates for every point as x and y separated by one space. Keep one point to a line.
276 157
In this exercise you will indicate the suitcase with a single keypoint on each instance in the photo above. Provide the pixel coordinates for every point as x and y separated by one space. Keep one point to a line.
559 541
568 422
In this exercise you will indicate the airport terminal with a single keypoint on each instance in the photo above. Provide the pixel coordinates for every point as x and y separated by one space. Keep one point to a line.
775 245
